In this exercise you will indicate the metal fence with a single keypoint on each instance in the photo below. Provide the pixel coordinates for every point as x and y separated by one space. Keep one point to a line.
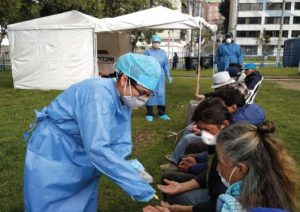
270 61
259 60
5 62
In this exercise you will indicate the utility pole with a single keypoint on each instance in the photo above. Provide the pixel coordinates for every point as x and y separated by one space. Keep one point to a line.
233 12
280 34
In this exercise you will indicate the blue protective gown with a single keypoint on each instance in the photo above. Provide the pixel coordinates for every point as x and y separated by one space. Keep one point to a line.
83 134
228 53
160 91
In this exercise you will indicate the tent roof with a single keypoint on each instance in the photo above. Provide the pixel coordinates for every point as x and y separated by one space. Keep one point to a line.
67 20
159 18
153 18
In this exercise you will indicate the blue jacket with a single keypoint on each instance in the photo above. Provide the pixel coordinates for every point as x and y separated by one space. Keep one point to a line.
228 53
160 91
83 134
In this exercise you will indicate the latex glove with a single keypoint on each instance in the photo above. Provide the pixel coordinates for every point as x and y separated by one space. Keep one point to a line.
147 199
170 79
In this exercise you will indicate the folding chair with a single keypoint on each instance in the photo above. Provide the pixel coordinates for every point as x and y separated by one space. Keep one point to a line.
253 92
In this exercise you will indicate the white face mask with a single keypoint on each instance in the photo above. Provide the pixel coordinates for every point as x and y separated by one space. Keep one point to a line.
228 40
156 45
132 101
242 77
208 138
227 184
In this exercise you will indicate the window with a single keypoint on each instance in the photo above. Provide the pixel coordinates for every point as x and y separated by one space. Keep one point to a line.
274 33
296 20
250 7
297 5
248 34
249 50
250 20
277 20
278 6
295 34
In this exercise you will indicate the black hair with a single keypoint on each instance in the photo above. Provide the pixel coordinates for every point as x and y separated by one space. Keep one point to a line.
211 111
119 74
230 96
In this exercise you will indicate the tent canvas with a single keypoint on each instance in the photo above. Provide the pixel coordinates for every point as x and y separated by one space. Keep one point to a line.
57 51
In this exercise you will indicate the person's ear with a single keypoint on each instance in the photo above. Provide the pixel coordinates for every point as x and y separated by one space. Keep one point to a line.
123 80
242 169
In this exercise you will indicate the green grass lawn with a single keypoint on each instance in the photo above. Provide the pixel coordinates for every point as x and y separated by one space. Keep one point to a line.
150 144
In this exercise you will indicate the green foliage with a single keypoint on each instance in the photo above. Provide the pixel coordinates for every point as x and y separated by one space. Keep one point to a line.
150 143
90 7
224 9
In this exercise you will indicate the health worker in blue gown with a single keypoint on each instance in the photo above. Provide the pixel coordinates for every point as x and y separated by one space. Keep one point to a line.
228 52
158 99
86 133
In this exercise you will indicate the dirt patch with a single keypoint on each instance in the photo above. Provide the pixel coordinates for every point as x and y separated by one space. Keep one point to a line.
288 84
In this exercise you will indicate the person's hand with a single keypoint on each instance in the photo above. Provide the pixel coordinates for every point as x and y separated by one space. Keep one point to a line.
170 79
150 208
195 130
171 188
186 163
176 208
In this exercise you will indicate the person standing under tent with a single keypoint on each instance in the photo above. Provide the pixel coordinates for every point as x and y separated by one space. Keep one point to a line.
85 133
158 99
228 52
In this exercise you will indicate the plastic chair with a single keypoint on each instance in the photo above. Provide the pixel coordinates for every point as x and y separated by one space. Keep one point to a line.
252 93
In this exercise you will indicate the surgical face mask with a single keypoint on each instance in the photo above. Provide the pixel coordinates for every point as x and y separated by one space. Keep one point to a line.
132 101
156 45
228 40
208 138
227 184
242 77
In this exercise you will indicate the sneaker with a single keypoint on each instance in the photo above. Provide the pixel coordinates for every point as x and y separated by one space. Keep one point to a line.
149 118
168 167
169 158
165 117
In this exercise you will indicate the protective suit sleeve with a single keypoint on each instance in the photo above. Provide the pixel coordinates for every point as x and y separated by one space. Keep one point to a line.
93 119
166 67
240 56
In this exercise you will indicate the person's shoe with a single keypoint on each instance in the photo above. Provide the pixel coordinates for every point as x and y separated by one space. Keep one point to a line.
149 118
169 158
165 117
168 167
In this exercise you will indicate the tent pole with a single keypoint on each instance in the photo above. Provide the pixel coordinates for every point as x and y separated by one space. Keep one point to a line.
168 45
172 43
214 49
95 54
199 58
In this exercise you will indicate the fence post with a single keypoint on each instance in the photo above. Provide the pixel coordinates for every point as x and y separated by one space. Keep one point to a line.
3 60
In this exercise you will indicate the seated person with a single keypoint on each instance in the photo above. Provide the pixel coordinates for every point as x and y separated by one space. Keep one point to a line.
212 119
255 167
233 70
250 76
235 103
194 132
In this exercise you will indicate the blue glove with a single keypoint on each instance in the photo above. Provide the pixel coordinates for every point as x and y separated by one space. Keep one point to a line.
170 79
145 199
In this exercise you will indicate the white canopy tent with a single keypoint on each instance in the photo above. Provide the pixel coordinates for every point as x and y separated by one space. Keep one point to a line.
57 51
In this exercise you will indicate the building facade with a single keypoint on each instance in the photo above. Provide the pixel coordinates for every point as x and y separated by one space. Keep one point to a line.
259 21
